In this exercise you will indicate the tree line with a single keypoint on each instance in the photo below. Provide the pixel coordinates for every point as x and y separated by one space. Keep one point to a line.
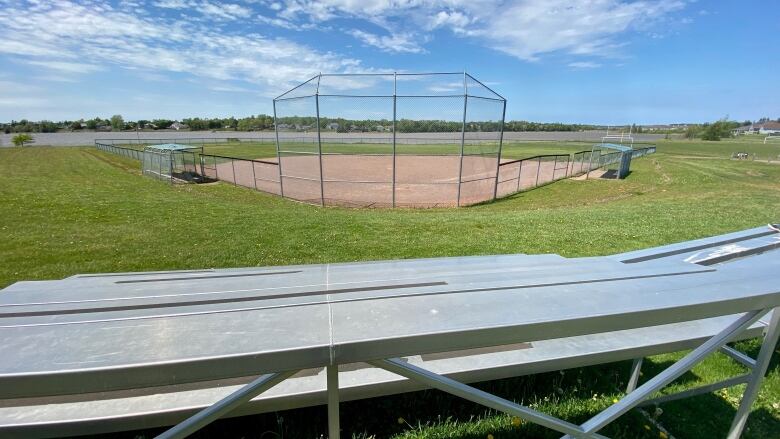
264 122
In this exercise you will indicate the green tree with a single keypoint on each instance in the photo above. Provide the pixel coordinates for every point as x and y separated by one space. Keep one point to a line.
21 139
162 123
692 131
92 123
718 130
117 122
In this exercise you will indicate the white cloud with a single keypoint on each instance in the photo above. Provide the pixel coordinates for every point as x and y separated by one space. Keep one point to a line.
171 4
584 65
28 102
528 29
228 88
67 67
58 35
398 43
285 24
224 11
453 19
17 47
525 29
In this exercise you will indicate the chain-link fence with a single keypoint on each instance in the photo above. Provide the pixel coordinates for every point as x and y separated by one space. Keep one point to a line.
523 174
119 150
612 163
172 163
371 170
386 140
382 140
261 175
141 143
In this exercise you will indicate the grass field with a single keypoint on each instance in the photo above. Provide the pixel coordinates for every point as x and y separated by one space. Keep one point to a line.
77 210
511 150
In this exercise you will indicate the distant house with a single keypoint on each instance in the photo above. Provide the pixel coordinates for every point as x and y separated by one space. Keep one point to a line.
332 126
150 126
745 129
179 126
284 126
770 127
300 127
656 127
103 128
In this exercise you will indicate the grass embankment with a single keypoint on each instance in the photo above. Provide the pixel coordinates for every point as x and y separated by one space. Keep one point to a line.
78 210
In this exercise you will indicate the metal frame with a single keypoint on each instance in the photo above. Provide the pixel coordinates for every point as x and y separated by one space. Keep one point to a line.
290 95
162 154
635 396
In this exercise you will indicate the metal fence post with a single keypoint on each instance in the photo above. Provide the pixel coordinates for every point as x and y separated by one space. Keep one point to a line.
590 161
254 176
278 152
319 141
500 146
233 165
462 135
538 169
395 98
519 174
202 172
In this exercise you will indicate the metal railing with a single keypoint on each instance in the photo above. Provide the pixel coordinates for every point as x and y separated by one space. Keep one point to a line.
261 175
119 150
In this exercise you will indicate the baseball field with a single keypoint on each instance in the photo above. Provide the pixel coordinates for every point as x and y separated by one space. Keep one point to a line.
68 210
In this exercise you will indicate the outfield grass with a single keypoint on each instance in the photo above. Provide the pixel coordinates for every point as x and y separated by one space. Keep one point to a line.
77 210
510 149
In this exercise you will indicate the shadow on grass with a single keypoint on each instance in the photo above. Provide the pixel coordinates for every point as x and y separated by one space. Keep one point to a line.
574 395
710 415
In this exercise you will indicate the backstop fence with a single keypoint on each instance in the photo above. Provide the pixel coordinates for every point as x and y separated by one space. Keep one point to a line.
456 163
265 174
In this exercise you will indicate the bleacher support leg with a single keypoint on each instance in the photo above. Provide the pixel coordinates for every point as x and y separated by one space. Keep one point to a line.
333 402
225 405
636 370
756 376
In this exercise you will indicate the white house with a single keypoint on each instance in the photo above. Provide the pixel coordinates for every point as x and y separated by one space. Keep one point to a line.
769 128
178 126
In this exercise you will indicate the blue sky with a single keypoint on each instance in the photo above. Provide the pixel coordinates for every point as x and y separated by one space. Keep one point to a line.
590 61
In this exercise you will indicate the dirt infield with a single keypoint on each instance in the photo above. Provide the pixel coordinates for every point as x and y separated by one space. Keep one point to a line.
367 180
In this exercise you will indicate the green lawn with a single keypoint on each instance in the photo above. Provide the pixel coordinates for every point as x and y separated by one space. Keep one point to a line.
77 210
510 150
